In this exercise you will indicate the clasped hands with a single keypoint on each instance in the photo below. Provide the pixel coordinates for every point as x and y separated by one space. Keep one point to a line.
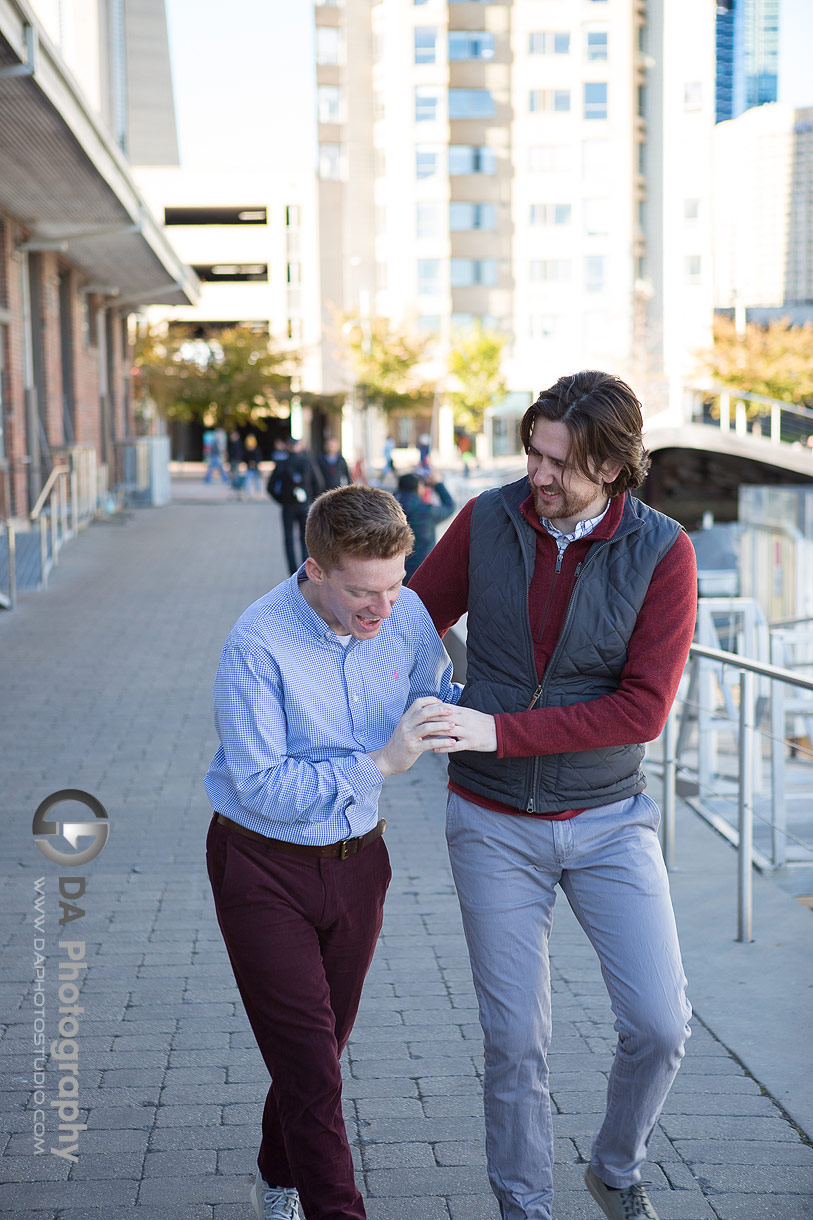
430 724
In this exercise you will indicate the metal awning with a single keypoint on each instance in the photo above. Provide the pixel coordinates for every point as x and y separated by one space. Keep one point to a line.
65 179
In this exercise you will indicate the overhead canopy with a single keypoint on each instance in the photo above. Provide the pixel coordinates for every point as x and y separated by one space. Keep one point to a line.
64 178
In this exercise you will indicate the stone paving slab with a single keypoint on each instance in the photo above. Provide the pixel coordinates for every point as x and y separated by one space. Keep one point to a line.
106 682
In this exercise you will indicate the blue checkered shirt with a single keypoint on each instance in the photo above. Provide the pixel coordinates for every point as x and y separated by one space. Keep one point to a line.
297 712
580 530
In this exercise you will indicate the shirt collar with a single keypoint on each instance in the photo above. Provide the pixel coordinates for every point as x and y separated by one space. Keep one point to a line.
580 530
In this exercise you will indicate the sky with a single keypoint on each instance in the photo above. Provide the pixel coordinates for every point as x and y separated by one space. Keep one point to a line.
233 109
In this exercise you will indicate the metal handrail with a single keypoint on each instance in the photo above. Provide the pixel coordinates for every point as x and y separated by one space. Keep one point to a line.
715 390
755 667
748 670
50 483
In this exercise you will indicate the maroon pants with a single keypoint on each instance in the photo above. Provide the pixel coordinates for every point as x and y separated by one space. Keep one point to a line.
301 933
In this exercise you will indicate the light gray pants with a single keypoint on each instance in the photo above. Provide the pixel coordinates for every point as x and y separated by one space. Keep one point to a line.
609 863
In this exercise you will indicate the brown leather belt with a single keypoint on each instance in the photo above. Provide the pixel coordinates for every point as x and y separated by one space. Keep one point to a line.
330 851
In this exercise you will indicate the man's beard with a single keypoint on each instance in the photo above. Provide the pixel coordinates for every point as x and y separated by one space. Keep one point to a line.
566 506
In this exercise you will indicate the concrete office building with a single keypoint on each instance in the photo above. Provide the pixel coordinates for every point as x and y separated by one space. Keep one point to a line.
251 239
763 213
543 168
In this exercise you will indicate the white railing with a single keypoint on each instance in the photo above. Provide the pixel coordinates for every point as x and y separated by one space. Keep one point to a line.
781 423
67 503
50 515
744 726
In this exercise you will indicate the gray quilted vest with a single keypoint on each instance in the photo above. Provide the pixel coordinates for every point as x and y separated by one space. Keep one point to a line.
611 583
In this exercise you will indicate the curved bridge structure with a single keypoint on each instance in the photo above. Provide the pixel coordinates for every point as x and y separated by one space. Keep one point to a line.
699 465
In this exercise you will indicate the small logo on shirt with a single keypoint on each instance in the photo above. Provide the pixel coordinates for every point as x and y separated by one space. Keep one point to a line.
395 671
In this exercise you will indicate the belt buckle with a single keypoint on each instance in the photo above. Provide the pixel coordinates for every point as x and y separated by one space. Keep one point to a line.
343 849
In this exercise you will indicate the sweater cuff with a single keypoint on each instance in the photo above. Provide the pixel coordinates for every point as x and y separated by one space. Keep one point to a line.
498 723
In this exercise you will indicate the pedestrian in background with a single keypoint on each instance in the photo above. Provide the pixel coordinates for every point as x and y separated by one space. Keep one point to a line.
214 450
422 516
332 465
581 605
295 484
235 449
253 487
311 722
389 466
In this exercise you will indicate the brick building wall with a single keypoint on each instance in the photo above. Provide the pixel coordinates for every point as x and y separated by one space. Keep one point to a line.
69 404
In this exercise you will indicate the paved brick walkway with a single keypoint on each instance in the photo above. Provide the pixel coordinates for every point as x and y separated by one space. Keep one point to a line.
106 687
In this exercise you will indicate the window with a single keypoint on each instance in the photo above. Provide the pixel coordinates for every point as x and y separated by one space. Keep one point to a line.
428 219
426 37
549 42
429 323
471 159
466 272
428 276
471 44
550 270
293 216
547 158
549 100
230 273
691 209
216 216
596 45
550 213
426 104
471 104
328 44
427 160
596 220
295 329
330 161
472 216
693 267
595 100
594 271
329 103
542 325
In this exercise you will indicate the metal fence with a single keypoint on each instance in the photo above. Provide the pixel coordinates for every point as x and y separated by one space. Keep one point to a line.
752 415
752 780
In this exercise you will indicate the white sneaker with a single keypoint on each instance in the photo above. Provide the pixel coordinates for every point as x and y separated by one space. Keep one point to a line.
274 1202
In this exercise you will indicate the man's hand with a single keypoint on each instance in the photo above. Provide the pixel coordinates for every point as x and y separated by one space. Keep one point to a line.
425 726
472 731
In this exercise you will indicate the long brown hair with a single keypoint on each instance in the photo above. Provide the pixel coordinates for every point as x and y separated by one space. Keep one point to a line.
604 419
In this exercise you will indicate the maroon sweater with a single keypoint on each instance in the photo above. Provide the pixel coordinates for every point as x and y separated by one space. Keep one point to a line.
636 711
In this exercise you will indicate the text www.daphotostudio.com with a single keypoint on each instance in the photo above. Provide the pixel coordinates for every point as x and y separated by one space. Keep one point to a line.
57 835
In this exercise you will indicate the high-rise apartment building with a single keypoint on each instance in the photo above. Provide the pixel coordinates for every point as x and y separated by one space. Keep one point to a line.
763 212
747 55
541 166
